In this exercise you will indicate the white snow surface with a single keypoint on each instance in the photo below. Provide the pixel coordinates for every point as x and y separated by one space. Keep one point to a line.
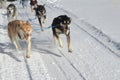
94 41
103 14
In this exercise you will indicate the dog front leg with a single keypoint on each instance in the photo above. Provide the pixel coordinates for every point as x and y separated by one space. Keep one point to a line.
59 40
69 43
28 47
39 19
44 18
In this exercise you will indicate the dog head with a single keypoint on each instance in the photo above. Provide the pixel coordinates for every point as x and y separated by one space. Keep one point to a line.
11 9
65 21
26 27
62 23
40 10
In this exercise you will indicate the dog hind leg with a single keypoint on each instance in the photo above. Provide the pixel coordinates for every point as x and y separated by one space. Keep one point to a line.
17 43
12 38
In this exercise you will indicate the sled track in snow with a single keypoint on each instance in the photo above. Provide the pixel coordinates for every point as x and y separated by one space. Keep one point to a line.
117 55
67 59
28 68
60 51
60 68
80 74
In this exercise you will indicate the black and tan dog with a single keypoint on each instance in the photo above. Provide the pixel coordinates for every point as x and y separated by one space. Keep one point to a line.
60 25
40 12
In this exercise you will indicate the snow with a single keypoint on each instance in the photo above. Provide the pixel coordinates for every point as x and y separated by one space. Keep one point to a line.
94 40
103 14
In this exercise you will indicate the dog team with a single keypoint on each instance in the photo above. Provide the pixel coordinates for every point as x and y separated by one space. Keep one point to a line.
22 30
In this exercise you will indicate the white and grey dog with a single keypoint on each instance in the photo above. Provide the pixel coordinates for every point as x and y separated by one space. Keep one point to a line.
12 12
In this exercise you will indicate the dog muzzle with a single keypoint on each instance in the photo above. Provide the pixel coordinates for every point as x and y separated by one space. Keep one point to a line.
9 12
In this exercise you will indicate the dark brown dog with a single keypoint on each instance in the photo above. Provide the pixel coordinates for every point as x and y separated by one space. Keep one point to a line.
60 25
41 14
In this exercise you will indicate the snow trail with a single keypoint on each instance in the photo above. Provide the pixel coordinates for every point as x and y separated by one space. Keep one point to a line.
90 59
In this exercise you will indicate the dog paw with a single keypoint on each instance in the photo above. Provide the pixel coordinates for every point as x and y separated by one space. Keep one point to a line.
19 48
27 56
42 29
70 50
61 46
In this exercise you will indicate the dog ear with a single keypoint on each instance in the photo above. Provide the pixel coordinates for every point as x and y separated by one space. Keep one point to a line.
70 18
27 22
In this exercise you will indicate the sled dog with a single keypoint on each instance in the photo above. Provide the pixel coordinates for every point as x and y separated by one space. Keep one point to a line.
20 30
61 25
11 12
40 12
